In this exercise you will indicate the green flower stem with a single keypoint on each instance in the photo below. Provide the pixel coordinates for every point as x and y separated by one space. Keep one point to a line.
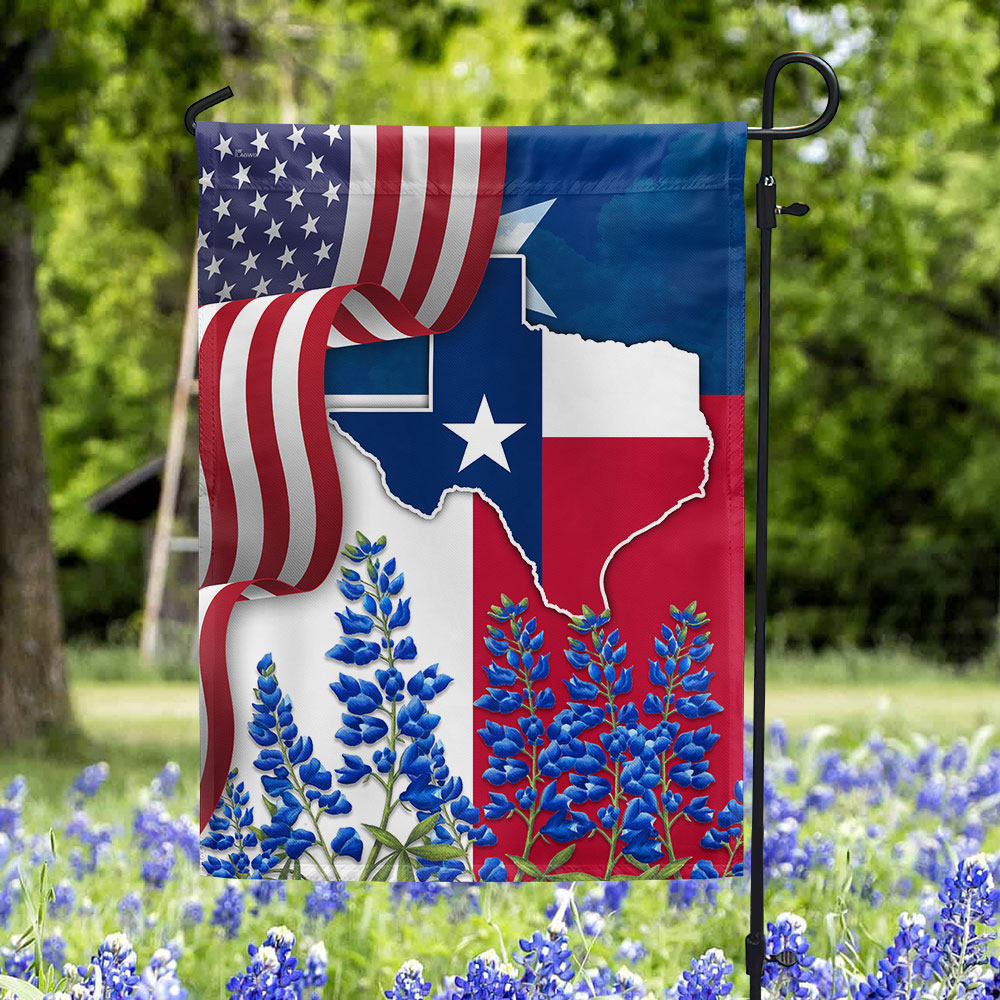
616 769
389 783
530 836
732 854
301 790
449 822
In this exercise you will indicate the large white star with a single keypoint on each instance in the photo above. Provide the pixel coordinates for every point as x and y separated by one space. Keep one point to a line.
258 204
331 193
242 175
223 147
273 231
278 169
484 438
513 229
313 166
260 142
296 137
333 131
206 179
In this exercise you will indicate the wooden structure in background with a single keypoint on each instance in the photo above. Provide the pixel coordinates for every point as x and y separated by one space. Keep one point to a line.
164 539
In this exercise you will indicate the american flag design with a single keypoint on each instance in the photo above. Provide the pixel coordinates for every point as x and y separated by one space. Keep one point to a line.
474 391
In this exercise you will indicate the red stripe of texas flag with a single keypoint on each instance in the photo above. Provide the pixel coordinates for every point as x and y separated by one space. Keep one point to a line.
686 557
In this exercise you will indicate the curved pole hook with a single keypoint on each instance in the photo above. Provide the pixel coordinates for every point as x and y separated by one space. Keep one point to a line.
767 129
191 115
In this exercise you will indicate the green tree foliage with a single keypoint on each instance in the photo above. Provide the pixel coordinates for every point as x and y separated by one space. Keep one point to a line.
885 478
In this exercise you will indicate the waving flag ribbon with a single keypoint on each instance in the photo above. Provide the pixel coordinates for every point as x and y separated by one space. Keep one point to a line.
405 260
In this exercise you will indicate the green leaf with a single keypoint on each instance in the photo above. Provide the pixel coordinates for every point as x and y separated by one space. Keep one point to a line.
362 540
437 852
423 828
528 867
19 988
385 870
405 872
561 858
579 877
691 608
384 837
663 872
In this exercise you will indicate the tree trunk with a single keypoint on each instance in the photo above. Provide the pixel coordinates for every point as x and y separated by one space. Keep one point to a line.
33 695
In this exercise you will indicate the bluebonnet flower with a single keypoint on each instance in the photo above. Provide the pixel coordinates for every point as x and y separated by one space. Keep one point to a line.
788 934
111 974
12 807
18 961
631 951
95 841
87 783
159 980
409 983
272 971
419 893
707 978
908 965
192 912
63 898
153 825
394 709
547 961
7 901
493 870
325 900
130 908
231 833
292 777
165 783
970 902
228 911
262 893
728 835
158 866
54 949
487 976
315 975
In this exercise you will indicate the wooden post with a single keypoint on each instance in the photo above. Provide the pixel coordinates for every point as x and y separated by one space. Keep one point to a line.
160 553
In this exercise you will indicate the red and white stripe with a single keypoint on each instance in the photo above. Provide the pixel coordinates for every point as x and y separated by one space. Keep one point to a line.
421 218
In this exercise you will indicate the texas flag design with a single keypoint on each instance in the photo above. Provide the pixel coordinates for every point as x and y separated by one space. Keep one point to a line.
579 446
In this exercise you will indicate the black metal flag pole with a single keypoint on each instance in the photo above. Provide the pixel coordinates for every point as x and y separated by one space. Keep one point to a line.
768 211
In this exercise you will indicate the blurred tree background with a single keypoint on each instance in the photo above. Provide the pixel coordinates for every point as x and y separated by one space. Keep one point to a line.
885 517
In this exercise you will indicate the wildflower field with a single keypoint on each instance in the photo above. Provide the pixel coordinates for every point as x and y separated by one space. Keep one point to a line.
882 851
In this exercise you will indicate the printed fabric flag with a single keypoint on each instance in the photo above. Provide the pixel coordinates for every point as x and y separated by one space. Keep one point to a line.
471 471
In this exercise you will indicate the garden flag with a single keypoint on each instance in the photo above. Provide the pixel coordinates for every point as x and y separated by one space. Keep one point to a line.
471 539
